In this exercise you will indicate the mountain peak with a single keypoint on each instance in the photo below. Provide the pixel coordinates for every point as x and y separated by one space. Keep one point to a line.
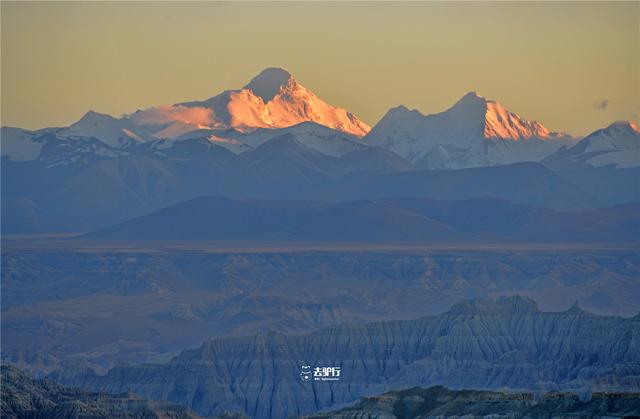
401 111
499 122
470 107
617 145
472 96
470 100
272 99
93 118
624 126
268 83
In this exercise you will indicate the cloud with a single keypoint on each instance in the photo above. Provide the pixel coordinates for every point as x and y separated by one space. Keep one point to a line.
601 105
162 115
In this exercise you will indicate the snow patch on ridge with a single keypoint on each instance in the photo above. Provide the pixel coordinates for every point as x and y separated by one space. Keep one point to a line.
19 145
618 145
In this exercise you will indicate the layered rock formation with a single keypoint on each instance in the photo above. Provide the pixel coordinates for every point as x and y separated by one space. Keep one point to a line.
440 402
25 397
477 344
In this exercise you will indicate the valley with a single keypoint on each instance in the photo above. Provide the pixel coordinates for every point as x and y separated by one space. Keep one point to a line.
97 304
482 343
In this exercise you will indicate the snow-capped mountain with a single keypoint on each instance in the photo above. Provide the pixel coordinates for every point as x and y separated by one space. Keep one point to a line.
51 149
62 145
19 144
238 120
474 132
618 146
115 132
313 135
272 99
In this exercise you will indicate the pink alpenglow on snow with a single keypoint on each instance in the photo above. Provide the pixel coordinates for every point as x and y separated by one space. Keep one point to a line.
474 132
499 122
273 99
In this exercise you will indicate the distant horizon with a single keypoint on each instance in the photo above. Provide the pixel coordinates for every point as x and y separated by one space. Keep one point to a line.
363 57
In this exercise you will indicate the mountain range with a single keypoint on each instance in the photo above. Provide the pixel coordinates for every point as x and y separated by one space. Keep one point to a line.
390 220
271 100
275 139
616 145
474 132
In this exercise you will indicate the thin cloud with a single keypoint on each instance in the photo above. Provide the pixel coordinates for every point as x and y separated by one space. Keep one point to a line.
164 114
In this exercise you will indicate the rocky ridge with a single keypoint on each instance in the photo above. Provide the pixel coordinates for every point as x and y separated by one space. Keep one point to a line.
489 344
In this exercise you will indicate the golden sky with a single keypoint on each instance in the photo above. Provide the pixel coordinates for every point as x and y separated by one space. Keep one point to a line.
573 66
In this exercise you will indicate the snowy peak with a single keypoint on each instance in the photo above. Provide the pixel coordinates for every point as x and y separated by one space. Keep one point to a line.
471 108
275 99
114 132
474 132
269 82
502 123
619 135
19 144
401 112
93 118
618 146
399 116
498 122
470 100
471 116
623 127
272 99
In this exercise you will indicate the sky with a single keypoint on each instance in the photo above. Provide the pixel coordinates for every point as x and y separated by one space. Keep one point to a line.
573 66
